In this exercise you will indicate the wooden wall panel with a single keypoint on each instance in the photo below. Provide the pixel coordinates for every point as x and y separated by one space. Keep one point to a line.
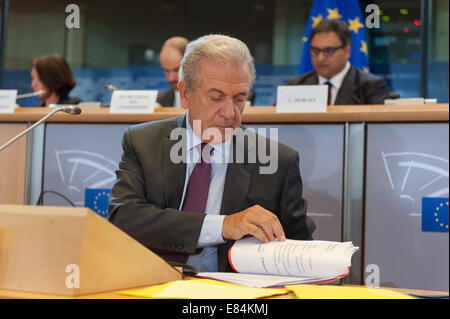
12 164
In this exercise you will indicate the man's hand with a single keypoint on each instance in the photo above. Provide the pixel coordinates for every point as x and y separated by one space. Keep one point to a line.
255 221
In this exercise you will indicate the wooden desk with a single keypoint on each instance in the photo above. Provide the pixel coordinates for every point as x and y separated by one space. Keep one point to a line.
12 164
255 114
10 294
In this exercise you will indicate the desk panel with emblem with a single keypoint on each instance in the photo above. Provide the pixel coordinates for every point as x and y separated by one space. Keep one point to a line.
81 160
407 164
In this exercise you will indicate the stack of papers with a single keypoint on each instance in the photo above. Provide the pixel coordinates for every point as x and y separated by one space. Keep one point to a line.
264 281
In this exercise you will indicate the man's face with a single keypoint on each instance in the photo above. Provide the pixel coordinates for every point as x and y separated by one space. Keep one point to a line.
329 66
218 100
170 60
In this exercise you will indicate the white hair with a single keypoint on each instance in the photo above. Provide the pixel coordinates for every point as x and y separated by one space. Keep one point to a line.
215 47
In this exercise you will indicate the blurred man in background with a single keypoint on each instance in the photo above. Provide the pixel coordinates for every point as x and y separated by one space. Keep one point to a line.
330 51
170 58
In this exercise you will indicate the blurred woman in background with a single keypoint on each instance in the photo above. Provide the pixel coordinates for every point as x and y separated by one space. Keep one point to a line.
52 74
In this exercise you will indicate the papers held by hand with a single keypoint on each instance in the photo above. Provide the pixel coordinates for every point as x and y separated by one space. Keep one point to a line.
276 264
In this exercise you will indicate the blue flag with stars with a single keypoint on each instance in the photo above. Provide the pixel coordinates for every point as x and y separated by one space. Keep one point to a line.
435 214
348 11
97 199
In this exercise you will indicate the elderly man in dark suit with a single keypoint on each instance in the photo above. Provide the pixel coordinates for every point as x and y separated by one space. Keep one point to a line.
190 206
330 50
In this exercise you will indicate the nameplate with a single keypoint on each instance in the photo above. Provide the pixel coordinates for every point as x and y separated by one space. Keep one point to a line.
133 101
7 101
302 99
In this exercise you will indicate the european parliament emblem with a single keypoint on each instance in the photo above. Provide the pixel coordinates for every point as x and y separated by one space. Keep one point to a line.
435 214
97 199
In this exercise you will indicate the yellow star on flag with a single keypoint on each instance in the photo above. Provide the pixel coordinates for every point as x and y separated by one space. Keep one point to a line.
365 69
317 19
333 13
355 25
363 47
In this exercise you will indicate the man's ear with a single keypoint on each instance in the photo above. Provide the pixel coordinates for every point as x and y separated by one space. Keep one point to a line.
183 94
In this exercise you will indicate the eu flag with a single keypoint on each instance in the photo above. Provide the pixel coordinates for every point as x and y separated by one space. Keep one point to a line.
435 214
348 11
97 199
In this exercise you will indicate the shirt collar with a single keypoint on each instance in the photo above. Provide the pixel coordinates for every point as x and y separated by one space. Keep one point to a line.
192 140
336 80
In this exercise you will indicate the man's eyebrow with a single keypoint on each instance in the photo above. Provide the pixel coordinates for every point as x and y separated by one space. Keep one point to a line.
215 90
221 92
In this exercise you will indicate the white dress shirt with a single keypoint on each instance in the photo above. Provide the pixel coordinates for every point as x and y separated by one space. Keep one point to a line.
211 232
336 82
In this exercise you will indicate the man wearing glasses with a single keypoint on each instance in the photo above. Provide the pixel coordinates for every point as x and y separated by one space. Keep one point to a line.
330 51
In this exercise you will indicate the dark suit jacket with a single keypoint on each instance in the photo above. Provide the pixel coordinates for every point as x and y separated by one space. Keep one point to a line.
147 194
166 98
357 87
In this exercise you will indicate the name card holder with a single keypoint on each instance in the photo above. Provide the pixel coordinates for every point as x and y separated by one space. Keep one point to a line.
133 101
302 99
7 101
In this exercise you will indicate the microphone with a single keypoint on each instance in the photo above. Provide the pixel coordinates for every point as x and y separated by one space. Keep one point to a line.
111 87
72 110
22 96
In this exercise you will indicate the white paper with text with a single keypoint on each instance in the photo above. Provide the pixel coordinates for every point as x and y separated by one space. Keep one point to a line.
295 258
133 101
7 101
263 281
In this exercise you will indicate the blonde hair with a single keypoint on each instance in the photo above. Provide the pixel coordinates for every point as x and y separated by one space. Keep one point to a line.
215 47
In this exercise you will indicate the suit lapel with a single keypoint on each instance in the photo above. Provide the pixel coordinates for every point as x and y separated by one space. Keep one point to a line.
174 174
172 97
237 180
312 80
346 94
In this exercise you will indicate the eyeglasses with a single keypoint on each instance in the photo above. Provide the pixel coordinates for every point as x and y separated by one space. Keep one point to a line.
326 52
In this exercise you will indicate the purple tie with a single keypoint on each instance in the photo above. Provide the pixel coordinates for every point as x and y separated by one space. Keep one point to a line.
196 192
198 187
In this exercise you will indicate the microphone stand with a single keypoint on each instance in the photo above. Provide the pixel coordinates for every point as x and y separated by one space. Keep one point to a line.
22 96
68 109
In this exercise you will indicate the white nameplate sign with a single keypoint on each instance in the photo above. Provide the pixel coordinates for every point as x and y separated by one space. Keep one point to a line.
7 101
133 101
302 98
